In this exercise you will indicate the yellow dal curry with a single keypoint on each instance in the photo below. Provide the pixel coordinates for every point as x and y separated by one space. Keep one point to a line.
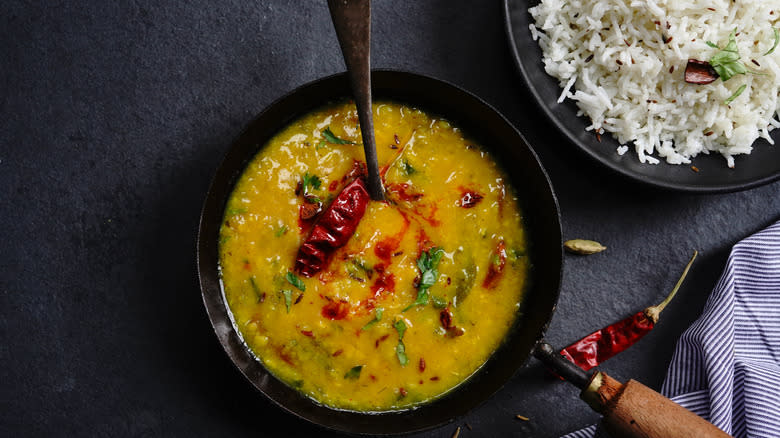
378 329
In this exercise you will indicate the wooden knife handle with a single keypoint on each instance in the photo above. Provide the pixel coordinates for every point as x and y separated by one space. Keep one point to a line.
634 410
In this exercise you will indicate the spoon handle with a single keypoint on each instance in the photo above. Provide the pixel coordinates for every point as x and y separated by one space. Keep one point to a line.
352 20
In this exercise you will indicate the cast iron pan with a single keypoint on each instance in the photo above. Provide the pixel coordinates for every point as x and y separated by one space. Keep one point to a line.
540 212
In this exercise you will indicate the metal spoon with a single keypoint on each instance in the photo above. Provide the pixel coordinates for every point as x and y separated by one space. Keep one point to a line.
352 20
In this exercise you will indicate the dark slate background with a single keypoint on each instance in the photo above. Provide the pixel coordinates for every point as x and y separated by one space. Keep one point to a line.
116 114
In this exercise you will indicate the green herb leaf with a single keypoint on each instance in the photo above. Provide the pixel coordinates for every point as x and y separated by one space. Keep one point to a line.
354 372
516 254
400 349
256 289
439 302
400 327
422 299
280 231
736 94
400 352
726 62
328 134
287 298
377 317
428 278
311 181
436 255
777 40
713 45
408 169
427 264
295 281
423 263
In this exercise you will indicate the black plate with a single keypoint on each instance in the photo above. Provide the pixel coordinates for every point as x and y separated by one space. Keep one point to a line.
760 167
541 216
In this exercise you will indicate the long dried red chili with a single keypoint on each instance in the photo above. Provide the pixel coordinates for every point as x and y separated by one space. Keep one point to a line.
601 345
333 229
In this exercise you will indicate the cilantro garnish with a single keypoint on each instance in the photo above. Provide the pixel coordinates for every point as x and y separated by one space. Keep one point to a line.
427 264
328 134
312 181
377 317
256 289
439 302
726 62
354 372
400 349
735 95
295 281
408 169
777 40
287 298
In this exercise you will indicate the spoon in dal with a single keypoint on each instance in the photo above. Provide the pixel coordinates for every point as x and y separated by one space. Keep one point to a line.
352 20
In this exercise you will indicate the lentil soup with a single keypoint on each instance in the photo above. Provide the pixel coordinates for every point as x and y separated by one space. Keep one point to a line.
421 292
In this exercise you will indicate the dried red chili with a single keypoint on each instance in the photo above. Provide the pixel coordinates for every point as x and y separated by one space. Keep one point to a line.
469 198
496 267
445 317
700 72
599 346
334 228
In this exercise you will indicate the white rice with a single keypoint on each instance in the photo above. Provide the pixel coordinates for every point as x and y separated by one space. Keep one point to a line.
646 99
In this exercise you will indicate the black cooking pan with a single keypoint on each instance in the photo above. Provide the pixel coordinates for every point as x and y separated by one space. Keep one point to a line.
539 208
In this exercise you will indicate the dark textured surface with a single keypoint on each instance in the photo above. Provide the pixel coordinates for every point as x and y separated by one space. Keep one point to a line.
114 117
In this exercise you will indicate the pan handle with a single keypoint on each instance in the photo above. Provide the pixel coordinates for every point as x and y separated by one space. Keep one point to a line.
564 368
630 410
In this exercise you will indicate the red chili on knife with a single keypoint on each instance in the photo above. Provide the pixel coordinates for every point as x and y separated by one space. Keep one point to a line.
601 345
334 228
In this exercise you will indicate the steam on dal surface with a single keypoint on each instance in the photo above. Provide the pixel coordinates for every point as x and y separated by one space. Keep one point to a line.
419 296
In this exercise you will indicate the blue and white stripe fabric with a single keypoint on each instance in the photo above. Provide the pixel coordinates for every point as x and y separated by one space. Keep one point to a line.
726 367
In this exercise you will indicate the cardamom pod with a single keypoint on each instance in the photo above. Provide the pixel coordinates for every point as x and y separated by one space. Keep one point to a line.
583 247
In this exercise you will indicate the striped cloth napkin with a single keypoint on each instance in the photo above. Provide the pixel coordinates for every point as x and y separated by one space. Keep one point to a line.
726 367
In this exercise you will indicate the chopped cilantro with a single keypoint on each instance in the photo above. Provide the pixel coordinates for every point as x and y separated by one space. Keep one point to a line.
354 372
400 349
295 281
400 327
328 134
726 62
439 302
280 231
408 169
256 289
377 317
777 40
427 264
311 181
736 94
287 298
400 352
516 254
